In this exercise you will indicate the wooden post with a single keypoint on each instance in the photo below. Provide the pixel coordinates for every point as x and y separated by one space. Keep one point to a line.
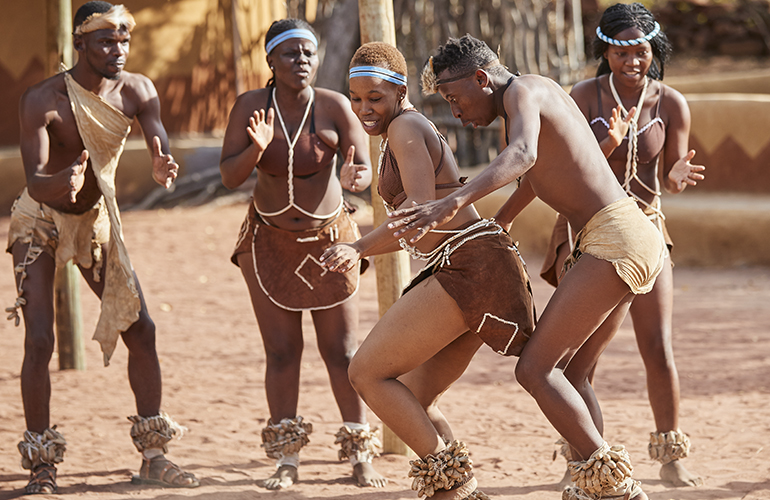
378 25
69 326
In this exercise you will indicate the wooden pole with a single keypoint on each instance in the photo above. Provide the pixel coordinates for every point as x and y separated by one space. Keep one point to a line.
378 25
69 325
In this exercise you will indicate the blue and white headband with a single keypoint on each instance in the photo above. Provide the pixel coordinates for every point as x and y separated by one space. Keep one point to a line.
292 33
627 43
377 72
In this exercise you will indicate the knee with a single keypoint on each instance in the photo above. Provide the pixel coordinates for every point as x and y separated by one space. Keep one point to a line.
140 337
358 375
38 346
283 356
338 356
527 376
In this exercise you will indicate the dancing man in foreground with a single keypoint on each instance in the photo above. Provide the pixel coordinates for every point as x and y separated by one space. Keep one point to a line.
619 252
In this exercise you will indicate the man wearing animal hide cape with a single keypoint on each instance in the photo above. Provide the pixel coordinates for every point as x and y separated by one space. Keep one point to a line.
73 129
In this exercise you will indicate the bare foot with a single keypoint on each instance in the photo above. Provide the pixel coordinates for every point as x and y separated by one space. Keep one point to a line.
675 473
284 477
160 471
457 494
42 480
366 475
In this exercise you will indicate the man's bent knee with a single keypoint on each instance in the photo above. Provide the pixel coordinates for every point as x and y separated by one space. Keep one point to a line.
140 337
39 347
526 375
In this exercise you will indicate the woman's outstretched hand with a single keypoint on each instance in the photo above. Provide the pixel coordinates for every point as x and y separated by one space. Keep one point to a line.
261 129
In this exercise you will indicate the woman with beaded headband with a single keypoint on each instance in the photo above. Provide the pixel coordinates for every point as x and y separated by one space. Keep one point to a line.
290 132
473 289
641 123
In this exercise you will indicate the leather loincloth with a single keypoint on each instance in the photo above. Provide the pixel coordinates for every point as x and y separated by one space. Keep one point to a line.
562 233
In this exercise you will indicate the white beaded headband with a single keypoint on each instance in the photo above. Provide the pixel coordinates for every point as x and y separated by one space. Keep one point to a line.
627 43
114 18
377 72
292 33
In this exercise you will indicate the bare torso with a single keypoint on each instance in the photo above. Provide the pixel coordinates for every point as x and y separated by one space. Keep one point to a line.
571 174
319 193
52 103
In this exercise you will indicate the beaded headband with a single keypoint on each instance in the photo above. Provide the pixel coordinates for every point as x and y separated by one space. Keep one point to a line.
626 43
377 72
114 18
292 33
430 80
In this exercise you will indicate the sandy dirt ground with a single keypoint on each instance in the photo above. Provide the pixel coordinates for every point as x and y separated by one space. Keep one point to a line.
213 361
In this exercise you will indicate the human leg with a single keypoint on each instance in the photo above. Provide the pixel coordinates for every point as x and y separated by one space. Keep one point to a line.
432 378
151 429
571 317
416 328
281 332
337 342
42 447
652 315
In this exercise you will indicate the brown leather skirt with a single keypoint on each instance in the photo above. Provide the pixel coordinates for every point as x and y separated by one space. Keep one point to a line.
287 262
485 275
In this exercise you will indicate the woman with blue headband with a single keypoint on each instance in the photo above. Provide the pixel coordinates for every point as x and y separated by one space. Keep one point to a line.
290 133
473 289
640 124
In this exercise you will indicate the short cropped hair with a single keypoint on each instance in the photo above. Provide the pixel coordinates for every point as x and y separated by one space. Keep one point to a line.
88 9
463 55
620 17
380 54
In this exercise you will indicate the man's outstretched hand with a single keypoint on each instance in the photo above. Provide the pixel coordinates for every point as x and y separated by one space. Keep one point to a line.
164 168
77 175
422 217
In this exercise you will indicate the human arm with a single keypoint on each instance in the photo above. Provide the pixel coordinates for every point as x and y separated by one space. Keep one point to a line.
242 147
408 138
515 160
678 172
164 169
618 130
36 110
519 200
356 171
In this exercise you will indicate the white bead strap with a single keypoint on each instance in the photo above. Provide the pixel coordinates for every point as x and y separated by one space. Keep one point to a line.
290 176
632 158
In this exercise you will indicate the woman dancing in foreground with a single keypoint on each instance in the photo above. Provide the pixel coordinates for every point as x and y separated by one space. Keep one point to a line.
473 289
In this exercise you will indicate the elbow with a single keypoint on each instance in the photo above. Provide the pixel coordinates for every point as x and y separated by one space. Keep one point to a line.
228 179
228 183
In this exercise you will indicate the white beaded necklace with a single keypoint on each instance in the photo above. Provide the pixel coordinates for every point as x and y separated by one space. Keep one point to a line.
632 158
